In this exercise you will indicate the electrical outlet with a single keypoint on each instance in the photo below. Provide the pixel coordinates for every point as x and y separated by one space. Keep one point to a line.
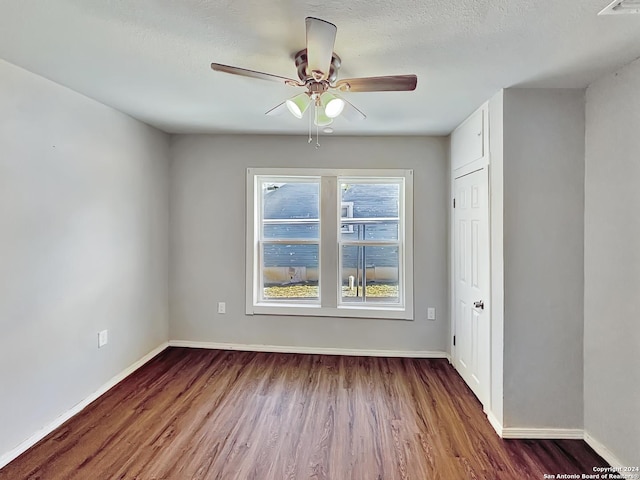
103 338
222 307
431 313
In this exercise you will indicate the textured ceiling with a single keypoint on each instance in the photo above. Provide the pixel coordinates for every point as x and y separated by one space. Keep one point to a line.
150 58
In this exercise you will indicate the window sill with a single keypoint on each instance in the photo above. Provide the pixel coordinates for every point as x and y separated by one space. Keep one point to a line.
350 311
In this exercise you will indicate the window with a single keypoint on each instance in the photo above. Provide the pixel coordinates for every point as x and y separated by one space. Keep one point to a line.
288 240
330 242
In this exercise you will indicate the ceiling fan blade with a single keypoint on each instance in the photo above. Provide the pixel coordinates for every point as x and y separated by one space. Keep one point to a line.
391 83
218 67
321 37
278 109
350 112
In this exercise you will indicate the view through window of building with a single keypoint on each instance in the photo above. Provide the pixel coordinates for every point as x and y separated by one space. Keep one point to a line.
290 239
370 261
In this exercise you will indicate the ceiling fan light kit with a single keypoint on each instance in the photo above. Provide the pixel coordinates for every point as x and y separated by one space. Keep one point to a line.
322 119
317 68
298 104
332 104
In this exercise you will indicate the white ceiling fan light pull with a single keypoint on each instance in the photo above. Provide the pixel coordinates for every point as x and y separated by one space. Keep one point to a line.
316 110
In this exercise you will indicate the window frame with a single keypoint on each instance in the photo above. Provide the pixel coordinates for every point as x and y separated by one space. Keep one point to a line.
329 241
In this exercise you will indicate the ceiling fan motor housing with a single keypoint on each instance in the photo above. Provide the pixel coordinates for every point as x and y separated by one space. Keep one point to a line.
302 64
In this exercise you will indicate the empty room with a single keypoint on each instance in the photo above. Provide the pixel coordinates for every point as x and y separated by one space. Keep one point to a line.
319 240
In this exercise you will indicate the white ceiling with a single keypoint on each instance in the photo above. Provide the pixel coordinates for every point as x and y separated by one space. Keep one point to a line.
150 58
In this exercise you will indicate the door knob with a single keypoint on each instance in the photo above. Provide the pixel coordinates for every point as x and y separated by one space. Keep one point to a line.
479 304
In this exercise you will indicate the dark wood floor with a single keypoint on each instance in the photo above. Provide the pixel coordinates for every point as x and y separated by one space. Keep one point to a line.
206 414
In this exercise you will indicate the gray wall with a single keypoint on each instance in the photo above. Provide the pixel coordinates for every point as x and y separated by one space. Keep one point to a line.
208 177
543 257
83 223
612 264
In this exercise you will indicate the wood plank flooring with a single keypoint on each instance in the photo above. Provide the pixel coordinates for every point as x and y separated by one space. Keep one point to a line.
207 414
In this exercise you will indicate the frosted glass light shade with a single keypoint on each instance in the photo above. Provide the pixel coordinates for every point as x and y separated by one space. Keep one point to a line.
298 104
333 105
321 119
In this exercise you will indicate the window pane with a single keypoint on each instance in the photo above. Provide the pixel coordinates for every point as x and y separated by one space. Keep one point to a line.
290 272
369 201
369 274
298 230
290 210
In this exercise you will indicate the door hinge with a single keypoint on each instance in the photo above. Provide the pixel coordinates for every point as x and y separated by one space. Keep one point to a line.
454 340
454 203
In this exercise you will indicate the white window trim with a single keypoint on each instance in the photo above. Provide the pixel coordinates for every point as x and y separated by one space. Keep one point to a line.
328 266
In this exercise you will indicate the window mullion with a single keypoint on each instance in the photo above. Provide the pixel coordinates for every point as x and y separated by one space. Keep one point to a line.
328 241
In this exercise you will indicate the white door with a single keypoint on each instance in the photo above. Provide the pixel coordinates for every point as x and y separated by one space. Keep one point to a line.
472 335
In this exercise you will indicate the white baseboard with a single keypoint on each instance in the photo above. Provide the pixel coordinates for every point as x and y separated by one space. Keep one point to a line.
310 350
497 426
46 430
533 433
543 433
603 451
554 434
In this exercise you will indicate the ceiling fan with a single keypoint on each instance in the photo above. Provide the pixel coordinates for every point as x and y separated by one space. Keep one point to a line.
318 67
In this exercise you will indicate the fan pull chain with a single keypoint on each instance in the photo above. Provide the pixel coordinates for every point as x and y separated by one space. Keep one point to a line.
310 139
317 127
